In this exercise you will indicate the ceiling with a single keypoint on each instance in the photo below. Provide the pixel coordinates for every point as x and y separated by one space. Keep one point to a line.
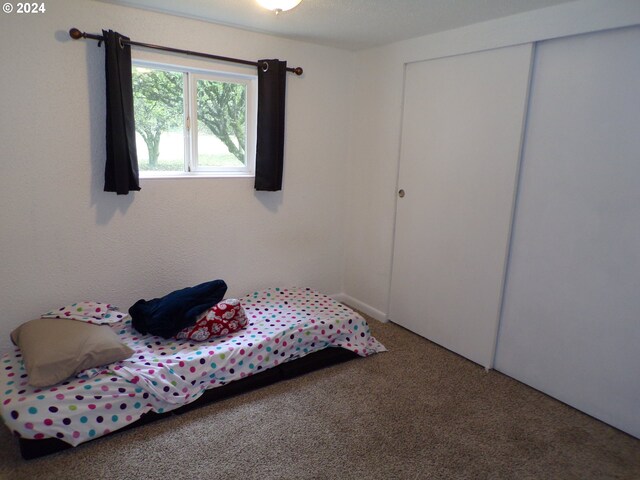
348 24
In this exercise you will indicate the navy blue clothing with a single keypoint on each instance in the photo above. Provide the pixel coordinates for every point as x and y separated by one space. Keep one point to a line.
167 315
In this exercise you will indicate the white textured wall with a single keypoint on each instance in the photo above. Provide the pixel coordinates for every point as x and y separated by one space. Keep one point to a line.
377 124
62 239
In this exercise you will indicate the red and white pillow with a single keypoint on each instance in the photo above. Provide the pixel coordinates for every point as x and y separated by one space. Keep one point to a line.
222 319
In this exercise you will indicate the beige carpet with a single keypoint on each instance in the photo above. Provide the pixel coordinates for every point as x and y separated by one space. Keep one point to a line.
415 412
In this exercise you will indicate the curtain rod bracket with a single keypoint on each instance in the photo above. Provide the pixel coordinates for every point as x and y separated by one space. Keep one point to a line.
76 34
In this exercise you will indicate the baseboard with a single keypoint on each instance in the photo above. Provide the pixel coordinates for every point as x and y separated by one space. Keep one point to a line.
361 306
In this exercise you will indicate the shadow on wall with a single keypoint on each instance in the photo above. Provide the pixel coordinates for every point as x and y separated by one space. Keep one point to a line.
270 200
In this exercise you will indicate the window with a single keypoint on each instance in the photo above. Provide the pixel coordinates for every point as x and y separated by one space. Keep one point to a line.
192 122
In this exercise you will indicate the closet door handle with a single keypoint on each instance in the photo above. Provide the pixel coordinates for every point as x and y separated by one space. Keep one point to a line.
401 193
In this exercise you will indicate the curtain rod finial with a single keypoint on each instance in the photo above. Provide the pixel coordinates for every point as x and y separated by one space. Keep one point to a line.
75 33
298 71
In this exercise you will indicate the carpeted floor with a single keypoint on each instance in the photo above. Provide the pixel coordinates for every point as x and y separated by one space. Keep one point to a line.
415 412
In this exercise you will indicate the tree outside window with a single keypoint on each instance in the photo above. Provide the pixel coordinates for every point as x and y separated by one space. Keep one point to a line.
190 121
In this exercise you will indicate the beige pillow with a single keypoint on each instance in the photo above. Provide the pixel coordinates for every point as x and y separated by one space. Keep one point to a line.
53 349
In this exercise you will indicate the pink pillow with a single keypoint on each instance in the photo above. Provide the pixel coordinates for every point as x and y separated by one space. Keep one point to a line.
222 319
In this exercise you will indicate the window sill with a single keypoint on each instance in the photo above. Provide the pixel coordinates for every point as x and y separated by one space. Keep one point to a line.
183 175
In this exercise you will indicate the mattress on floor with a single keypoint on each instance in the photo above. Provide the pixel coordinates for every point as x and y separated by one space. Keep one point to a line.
163 375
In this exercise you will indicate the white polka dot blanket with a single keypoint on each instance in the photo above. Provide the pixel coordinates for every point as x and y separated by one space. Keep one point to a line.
162 375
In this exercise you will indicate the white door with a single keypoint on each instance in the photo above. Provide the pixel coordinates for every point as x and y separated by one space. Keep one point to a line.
571 317
462 128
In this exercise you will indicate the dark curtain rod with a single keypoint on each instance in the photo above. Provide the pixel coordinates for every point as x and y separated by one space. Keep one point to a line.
77 34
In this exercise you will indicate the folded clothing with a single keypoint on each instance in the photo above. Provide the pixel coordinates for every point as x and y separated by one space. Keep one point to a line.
167 315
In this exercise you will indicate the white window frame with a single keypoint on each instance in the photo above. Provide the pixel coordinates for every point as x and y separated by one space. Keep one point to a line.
191 76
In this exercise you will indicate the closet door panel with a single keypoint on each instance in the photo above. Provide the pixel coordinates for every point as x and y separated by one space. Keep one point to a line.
461 140
571 317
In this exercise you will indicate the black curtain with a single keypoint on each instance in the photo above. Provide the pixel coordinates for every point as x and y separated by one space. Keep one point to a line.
272 85
121 169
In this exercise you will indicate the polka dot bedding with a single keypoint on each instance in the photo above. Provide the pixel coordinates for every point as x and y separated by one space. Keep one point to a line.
162 375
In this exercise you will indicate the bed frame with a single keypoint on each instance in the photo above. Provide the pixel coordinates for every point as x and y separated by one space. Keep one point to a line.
30 449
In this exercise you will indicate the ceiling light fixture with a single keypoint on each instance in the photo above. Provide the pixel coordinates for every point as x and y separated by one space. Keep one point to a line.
278 6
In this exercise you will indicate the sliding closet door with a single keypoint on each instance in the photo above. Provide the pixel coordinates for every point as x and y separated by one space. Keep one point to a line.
461 139
571 319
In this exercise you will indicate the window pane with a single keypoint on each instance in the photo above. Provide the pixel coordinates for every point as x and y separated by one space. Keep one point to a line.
222 113
158 109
